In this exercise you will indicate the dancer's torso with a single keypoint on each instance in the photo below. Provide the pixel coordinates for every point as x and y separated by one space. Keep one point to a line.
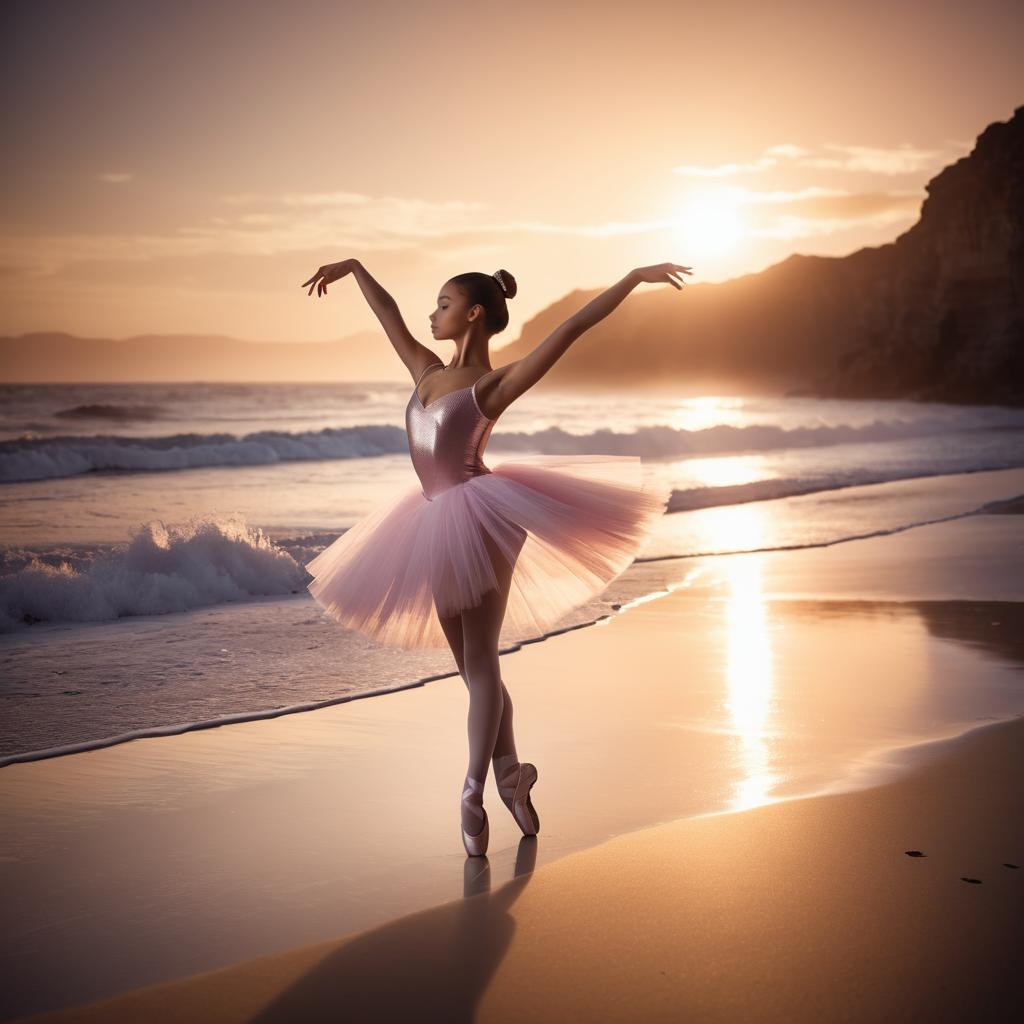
447 439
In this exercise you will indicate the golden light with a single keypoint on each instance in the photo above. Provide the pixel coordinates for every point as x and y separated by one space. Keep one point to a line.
703 411
724 471
749 681
709 221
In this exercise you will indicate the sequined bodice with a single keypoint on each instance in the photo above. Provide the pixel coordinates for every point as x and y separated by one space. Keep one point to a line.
447 439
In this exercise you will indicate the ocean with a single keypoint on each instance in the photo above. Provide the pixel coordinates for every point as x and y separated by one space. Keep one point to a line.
154 536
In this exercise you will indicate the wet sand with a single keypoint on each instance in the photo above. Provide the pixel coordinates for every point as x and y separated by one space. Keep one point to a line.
309 867
901 902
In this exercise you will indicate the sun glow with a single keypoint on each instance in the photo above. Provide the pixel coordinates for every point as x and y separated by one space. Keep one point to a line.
709 220
705 411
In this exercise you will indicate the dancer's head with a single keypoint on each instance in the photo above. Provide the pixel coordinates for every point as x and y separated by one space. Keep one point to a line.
473 301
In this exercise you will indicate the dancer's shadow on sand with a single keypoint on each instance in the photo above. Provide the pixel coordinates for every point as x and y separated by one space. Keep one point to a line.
433 965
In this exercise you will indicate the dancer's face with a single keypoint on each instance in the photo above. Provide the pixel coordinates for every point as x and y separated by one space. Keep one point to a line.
453 314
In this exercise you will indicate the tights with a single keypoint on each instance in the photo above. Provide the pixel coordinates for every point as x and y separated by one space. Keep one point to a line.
473 637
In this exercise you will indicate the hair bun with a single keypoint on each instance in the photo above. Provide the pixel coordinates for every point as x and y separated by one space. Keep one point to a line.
506 282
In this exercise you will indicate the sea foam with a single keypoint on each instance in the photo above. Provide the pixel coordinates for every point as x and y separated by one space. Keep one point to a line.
41 458
207 560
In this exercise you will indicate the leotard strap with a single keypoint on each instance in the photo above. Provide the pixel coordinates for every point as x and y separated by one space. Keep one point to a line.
476 401
427 367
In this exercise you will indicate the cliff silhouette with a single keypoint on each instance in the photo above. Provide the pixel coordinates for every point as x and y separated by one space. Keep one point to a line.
937 314
934 315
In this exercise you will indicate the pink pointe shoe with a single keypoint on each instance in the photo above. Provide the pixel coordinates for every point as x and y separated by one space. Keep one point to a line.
514 789
476 846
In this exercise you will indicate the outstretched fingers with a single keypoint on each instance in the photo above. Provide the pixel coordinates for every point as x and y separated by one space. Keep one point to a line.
316 282
675 274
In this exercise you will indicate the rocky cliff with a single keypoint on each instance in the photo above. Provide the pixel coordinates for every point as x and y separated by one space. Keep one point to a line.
945 318
937 314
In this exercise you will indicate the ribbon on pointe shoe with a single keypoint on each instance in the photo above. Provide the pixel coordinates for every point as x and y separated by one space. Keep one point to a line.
506 771
514 785
473 786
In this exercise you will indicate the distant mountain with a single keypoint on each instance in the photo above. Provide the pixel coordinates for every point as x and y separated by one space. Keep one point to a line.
53 357
937 314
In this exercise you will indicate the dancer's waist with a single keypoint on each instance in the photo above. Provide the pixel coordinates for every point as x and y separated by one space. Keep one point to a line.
433 489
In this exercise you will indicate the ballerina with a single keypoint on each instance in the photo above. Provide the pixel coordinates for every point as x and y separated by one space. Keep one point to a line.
474 550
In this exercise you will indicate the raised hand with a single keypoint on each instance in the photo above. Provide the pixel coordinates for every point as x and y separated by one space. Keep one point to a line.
325 275
671 272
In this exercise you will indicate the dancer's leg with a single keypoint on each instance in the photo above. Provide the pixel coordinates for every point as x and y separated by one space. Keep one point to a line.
480 629
505 745
452 626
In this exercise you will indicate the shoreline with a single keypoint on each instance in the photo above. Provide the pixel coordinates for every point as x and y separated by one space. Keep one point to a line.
644 564
268 714
158 732
902 901
761 680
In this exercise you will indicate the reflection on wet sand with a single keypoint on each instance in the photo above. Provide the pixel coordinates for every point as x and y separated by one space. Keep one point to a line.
734 690
749 681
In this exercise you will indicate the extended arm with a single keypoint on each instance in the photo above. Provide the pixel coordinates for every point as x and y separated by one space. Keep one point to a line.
601 305
415 356
525 372
521 375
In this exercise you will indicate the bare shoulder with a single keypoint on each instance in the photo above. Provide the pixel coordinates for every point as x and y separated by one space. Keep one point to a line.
420 360
493 391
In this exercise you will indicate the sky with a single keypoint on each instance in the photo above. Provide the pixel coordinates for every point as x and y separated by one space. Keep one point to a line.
183 167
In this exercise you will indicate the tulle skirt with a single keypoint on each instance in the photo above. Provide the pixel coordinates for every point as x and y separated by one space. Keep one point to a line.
570 525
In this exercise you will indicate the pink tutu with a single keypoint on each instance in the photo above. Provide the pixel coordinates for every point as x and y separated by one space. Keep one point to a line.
570 523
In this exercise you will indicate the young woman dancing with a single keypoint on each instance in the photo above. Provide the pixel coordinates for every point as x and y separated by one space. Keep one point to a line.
474 550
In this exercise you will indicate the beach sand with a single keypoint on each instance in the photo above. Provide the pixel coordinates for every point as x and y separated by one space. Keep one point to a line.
809 910
309 867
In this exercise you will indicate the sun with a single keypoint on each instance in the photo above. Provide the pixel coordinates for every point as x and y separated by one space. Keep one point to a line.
709 221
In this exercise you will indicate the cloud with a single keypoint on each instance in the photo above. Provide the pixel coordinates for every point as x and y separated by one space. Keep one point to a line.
815 209
114 177
724 170
824 211
903 159
294 222
802 213
829 203
307 222
788 226
262 226
810 192
785 149
299 199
